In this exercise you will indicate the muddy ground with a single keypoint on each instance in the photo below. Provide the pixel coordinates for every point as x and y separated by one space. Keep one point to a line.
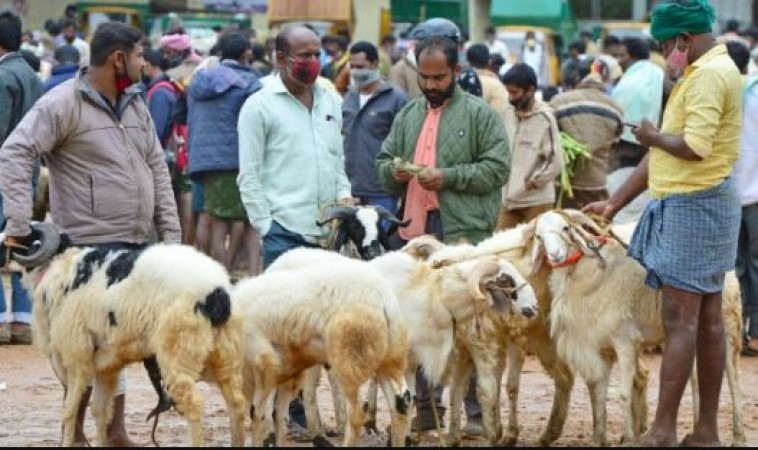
31 399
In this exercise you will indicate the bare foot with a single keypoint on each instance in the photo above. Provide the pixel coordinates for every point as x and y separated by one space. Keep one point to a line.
120 440
649 439
691 440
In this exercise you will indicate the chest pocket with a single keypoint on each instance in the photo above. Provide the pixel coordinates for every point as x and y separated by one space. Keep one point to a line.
329 133
379 122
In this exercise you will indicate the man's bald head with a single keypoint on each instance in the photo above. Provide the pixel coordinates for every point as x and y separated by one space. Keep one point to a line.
295 36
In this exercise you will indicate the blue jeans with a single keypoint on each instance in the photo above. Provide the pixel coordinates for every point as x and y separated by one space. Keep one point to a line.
747 268
278 240
21 303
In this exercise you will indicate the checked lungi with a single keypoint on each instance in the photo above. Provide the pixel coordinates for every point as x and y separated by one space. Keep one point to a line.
689 241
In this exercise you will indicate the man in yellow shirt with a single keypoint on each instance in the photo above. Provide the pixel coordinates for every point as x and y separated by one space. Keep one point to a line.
687 236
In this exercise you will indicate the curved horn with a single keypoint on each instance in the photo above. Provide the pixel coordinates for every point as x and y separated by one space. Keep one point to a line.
340 212
384 213
50 240
583 219
483 269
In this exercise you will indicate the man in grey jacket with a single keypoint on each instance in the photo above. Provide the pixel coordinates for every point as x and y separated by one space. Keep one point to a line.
109 184
368 110
20 87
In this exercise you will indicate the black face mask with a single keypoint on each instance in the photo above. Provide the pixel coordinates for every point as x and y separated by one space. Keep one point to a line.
437 98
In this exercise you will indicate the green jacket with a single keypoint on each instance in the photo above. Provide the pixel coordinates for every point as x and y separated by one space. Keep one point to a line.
472 151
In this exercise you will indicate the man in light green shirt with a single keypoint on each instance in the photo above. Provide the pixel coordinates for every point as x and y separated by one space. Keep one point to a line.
291 153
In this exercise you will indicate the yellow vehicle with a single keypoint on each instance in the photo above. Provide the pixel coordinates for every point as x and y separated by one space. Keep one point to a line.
131 12
624 29
514 36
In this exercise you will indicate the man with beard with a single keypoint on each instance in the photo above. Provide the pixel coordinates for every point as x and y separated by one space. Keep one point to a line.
536 145
71 37
461 142
109 185
291 161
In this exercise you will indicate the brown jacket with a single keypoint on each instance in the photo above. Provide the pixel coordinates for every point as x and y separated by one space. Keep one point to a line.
108 178
493 91
536 156
404 75
590 116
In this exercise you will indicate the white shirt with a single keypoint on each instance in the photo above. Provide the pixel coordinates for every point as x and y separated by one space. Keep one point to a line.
498 47
363 98
746 168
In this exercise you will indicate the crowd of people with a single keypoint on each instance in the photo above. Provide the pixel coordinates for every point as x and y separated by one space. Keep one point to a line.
239 151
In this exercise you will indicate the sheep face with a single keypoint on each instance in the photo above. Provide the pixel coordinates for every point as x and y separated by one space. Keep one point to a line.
361 225
553 240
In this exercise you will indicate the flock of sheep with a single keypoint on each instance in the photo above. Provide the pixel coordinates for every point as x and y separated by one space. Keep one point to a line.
560 286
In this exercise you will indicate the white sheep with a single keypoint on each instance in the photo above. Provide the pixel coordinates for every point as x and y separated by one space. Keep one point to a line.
607 290
96 311
514 244
434 302
345 317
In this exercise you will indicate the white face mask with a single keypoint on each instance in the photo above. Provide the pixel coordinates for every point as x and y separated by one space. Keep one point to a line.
363 77
411 54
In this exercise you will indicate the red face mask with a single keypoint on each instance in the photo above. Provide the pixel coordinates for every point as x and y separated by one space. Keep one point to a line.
123 81
306 71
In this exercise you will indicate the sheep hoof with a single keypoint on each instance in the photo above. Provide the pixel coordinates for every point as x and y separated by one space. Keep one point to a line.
270 441
371 428
321 441
509 441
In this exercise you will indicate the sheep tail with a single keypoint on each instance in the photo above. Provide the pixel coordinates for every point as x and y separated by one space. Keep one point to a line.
217 307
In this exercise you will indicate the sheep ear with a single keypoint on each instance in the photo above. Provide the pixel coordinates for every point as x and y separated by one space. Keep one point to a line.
538 255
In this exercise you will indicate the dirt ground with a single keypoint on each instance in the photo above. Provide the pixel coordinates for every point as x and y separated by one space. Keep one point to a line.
31 399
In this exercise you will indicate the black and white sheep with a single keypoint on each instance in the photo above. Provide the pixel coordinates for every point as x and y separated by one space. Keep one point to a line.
96 311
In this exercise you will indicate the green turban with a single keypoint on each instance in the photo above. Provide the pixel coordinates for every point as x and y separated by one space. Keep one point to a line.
670 19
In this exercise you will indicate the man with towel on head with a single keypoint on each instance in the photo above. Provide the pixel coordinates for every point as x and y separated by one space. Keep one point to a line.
687 236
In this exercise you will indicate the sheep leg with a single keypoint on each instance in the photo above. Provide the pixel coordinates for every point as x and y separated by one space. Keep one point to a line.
102 404
261 413
733 345
458 385
338 398
398 398
284 396
231 390
355 416
74 392
189 402
370 406
310 401
515 366
639 398
564 382
627 360
487 393
598 391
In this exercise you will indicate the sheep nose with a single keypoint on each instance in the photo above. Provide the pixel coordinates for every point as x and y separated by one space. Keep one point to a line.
528 312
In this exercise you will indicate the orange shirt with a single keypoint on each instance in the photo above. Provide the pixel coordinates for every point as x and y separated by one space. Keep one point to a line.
418 200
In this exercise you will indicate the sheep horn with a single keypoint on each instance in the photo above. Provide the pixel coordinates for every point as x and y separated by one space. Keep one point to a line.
483 269
579 217
50 240
384 213
341 212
